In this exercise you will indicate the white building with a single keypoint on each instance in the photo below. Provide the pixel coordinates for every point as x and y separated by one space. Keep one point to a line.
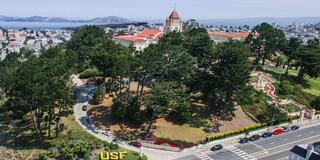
141 40
173 23
220 37
305 152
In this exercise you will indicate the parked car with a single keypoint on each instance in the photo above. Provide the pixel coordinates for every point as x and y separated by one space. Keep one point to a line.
278 131
266 134
135 144
244 140
254 137
106 133
84 108
285 128
216 147
295 127
96 130
88 119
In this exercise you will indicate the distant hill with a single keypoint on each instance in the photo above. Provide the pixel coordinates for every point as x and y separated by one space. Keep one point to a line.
102 20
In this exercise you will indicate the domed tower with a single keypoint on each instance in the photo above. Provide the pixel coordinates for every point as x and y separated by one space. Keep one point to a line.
173 23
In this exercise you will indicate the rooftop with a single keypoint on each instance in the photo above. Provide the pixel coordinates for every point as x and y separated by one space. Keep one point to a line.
174 15
230 35
151 33
131 38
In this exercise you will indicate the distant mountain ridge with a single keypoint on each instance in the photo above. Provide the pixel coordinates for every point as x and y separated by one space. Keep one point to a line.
102 20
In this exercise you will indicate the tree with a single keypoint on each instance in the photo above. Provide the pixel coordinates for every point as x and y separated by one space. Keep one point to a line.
200 46
179 104
279 61
285 88
265 40
157 101
313 43
292 48
99 94
315 104
85 42
40 87
309 61
231 74
129 111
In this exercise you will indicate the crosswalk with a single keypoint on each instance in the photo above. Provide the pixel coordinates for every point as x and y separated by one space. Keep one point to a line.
239 153
203 156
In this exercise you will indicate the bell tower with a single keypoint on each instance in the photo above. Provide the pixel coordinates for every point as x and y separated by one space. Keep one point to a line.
173 23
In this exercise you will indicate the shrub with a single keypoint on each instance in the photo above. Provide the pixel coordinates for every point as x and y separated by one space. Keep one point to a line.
99 94
315 104
181 110
285 88
90 72
236 132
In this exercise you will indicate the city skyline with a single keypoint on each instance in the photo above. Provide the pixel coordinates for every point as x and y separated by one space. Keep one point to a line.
154 10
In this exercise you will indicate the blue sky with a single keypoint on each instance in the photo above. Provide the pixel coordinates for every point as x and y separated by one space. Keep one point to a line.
160 9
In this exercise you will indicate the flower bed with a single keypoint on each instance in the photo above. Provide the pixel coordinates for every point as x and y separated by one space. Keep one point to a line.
233 133
174 143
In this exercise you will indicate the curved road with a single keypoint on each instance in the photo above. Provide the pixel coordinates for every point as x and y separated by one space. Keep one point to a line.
80 116
275 147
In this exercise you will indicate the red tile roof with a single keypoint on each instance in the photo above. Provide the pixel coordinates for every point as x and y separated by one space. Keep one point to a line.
131 38
230 35
174 15
151 33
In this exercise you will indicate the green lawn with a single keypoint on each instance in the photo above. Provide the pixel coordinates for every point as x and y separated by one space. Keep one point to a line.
76 131
312 85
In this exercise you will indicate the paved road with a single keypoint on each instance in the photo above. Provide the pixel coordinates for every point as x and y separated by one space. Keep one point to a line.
272 148
80 116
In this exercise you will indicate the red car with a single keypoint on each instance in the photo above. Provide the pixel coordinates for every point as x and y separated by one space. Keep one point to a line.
135 144
278 131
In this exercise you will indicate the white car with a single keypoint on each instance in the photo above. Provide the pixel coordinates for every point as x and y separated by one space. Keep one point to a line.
96 130
106 133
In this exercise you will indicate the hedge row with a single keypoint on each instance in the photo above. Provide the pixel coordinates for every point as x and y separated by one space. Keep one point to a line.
232 133
252 117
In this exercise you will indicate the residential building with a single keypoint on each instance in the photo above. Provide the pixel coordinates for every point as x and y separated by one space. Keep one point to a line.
173 23
220 37
305 152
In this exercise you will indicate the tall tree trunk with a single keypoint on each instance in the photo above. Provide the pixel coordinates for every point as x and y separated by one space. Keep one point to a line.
263 61
142 86
57 119
288 66
301 74
150 123
49 126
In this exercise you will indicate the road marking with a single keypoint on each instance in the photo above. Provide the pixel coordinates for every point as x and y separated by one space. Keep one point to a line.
257 146
202 156
239 152
285 145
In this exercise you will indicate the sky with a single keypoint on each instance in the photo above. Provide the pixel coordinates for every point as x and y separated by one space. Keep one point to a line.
160 9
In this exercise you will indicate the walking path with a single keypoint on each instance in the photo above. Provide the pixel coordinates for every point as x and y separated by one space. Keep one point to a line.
265 84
